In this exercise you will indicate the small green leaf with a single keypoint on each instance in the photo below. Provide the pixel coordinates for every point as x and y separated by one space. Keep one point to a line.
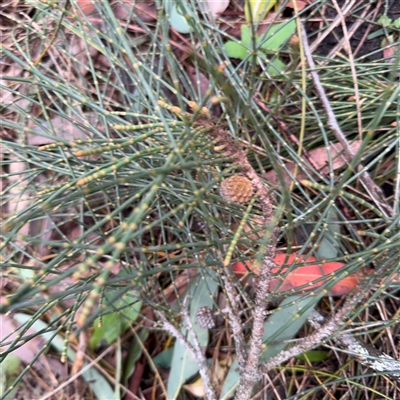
256 10
235 50
245 35
240 49
10 365
276 67
10 369
396 23
384 20
272 40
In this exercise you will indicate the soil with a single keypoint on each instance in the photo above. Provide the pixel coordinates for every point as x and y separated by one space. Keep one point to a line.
360 44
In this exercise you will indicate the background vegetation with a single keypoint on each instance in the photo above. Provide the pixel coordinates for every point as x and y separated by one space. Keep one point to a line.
112 213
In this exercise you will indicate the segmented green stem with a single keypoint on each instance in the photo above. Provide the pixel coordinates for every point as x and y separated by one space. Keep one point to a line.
342 193
236 237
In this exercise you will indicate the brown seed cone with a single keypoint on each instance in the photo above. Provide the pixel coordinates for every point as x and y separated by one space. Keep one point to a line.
237 188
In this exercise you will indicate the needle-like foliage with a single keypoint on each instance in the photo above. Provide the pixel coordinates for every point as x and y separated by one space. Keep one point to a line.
111 181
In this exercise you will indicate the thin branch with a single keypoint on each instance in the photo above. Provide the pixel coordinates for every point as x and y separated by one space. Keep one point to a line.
329 329
226 144
251 375
234 321
353 28
347 8
374 190
194 349
365 355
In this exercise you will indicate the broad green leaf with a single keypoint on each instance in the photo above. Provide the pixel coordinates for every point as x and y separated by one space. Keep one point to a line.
178 21
281 326
131 311
276 67
272 40
164 359
111 326
235 50
256 10
328 247
183 366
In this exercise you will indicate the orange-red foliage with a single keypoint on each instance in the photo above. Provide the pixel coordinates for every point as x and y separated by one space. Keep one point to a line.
308 271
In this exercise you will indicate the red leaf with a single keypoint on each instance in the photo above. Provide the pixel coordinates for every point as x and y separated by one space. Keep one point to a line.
304 274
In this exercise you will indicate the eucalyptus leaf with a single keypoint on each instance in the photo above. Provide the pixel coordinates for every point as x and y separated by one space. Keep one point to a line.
329 247
164 359
178 21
